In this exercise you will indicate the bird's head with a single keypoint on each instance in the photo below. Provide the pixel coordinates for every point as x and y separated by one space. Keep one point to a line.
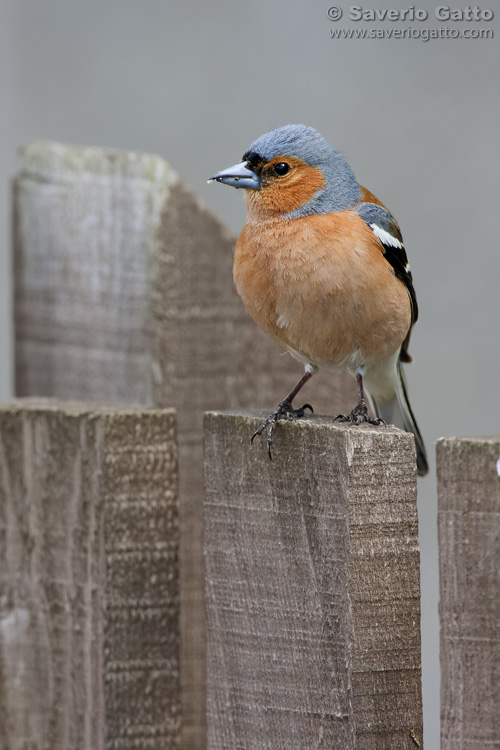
291 172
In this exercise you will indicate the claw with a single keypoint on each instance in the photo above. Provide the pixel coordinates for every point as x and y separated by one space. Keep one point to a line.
358 415
283 411
269 440
300 411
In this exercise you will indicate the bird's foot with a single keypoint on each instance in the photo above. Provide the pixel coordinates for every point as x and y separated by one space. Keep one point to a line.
285 410
358 415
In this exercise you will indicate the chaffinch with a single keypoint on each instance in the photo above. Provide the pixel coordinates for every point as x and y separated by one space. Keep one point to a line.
321 267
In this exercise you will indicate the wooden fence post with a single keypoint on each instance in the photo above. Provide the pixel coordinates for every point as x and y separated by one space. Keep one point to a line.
312 587
124 292
89 600
469 573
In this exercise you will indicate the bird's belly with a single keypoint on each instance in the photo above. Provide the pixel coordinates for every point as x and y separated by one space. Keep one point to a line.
331 331
335 333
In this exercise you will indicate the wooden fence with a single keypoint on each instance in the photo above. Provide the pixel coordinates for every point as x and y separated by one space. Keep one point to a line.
312 588
123 293
89 600
469 576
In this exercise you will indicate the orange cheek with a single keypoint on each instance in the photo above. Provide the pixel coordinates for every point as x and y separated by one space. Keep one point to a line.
282 196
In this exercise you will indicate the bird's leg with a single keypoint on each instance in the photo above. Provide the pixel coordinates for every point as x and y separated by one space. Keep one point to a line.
284 410
360 412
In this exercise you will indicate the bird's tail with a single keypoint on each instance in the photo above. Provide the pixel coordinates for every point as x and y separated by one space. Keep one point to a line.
398 412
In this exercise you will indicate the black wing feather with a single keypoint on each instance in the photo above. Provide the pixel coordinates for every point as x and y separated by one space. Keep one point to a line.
388 233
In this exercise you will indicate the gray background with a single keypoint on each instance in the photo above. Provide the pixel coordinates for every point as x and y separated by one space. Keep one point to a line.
196 83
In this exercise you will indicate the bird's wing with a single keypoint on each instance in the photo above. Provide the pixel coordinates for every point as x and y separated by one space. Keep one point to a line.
387 231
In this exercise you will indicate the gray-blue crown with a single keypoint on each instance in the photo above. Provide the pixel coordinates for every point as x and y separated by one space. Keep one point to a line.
341 191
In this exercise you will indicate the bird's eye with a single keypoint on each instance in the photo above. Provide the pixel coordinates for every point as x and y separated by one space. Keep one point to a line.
282 168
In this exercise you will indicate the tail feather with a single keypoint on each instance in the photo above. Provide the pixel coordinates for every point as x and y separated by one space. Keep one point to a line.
398 412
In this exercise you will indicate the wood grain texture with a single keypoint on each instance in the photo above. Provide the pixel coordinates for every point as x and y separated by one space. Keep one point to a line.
89 596
85 230
124 292
468 472
312 587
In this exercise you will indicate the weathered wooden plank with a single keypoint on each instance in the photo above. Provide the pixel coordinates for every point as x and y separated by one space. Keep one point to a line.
124 292
468 472
89 599
312 587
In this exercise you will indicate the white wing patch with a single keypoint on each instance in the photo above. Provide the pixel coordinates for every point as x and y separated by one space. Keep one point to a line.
385 237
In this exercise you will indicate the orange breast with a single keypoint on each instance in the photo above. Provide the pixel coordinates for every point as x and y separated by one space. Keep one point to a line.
321 288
